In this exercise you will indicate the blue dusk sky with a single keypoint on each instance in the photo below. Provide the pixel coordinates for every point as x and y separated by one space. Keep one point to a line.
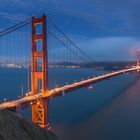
105 29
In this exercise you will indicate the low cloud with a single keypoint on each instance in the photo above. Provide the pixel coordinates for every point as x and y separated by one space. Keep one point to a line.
111 48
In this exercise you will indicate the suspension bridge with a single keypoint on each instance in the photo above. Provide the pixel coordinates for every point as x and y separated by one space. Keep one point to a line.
39 46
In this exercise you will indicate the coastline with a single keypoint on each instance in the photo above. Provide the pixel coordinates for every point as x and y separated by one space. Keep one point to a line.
119 119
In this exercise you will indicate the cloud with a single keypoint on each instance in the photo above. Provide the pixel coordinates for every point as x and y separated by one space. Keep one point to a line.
103 16
8 20
108 17
13 17
111 48
106 29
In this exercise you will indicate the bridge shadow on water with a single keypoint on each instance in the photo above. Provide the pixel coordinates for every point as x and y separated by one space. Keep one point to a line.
118 120
97 114
75 114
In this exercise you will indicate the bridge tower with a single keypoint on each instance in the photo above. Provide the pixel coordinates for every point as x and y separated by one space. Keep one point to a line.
39 74
138 58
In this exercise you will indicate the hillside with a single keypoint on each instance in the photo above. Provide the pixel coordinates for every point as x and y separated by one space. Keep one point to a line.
14 127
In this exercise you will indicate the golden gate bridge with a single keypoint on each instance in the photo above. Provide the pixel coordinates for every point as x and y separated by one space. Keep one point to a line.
38 45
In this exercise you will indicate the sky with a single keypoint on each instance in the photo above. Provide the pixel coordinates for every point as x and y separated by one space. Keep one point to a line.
105 29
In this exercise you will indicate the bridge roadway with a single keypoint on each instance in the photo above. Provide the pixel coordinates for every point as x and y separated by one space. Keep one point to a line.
30 99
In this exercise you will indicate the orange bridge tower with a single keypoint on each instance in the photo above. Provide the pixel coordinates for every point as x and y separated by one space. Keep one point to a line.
138 58
39 74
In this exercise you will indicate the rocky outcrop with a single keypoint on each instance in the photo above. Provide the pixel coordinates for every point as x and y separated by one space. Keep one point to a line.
14 127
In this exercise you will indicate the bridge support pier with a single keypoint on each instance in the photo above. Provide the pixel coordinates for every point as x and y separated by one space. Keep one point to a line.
40 113
39 73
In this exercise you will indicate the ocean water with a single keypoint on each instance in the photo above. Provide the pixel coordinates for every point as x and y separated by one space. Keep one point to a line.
67 112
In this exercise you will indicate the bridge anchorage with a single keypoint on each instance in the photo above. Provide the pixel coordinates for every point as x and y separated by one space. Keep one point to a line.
39 55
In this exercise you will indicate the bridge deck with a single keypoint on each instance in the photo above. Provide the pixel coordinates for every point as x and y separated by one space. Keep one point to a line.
63 90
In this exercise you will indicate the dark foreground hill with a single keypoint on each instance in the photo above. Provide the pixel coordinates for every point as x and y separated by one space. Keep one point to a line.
14 127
